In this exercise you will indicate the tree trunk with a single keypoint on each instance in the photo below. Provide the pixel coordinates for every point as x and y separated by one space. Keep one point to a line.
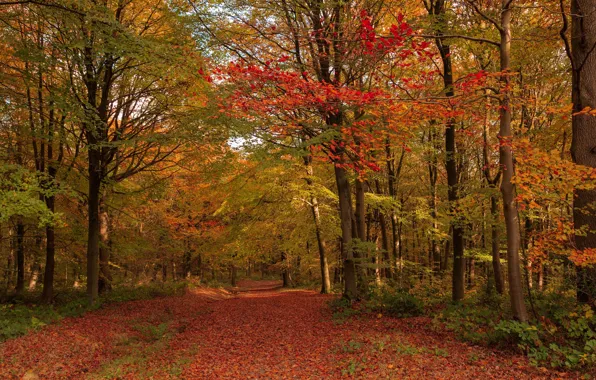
541 277
435 251
34 278
392 177
200 266
360 234
495 246
47 294
322 245
345 209
93 225
459 263
583 146
285 271
186 264
506 160
20 251
105 246
386 272
233 275
34 266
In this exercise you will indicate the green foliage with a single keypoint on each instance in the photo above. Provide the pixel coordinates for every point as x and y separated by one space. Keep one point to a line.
19 195
351 346
407 349
397 303
564 336
19 318
441 352
474 320
567 341
342 309
151 333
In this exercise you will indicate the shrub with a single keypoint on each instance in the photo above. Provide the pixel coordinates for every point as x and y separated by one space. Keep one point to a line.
567 341
396 303
474 320
342 309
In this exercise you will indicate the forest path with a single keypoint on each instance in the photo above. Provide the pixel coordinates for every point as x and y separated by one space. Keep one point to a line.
258 332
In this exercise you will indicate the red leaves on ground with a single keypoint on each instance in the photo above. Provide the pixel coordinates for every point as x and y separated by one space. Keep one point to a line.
261 333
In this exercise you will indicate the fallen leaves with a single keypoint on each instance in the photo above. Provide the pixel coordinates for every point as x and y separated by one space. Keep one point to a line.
260 333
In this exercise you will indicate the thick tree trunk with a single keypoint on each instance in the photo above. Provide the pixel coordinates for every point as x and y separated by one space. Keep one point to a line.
105 246
345 209
459 263
506 160
583 143
93 225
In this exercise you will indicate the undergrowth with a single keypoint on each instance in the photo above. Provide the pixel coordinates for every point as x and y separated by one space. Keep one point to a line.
23 314
561 335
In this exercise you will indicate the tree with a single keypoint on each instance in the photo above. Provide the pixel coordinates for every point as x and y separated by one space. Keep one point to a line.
118 66
580 49
512 222
438 9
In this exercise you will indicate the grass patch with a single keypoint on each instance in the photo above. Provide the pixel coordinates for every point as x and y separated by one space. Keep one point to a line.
342 309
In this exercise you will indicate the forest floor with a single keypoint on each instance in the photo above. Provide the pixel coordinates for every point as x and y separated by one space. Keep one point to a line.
257 331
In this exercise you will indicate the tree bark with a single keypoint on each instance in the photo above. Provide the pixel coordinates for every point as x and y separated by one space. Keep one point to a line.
233 275
435 251
322 245
47 294
506 160
360 234
285 271
93 225
345 209
392 177
583 142
386 272
186 264
20 251
495 246
459 264
105 246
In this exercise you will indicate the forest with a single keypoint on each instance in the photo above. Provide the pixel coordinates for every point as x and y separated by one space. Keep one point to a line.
231 189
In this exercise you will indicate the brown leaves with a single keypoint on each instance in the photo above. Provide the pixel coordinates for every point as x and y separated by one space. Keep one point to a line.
261 333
